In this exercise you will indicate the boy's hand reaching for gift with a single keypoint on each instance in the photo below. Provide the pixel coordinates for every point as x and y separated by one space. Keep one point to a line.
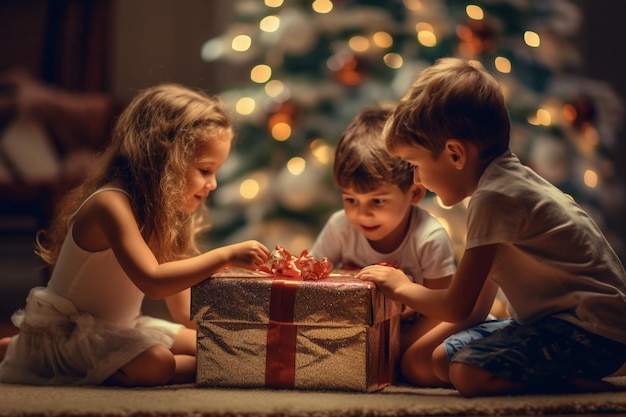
248 255
388 279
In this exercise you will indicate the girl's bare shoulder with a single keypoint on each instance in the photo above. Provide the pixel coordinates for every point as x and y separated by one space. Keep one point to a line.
106 209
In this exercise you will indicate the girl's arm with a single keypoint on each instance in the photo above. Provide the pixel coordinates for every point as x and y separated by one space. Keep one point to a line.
455 304
179 306
114 215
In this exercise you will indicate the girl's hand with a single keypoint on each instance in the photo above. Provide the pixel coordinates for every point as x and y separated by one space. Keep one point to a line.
249 254
389 280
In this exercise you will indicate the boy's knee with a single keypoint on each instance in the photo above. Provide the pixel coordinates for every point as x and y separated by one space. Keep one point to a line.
410 369
467 379
441 364
418 368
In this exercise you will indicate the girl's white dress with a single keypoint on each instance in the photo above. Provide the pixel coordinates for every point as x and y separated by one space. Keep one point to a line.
84 325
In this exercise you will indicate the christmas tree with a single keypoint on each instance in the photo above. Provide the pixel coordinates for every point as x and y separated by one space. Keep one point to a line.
310 66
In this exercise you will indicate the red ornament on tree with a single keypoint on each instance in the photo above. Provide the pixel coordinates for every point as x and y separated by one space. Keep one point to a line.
476 37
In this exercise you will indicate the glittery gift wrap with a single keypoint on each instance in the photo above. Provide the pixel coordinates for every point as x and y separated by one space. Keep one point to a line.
257 330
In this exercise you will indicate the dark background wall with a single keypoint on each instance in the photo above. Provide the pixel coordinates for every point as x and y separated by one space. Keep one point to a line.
601 43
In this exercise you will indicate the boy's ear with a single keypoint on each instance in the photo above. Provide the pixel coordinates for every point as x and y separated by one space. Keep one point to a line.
456 150
418 192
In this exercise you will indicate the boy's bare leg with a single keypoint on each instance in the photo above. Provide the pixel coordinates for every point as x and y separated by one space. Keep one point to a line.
472 381
418 344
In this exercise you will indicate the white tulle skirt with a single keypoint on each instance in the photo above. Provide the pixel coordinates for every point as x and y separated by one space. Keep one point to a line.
59 345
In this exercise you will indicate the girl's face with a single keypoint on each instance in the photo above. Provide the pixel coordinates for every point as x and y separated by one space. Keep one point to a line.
202 170
381 215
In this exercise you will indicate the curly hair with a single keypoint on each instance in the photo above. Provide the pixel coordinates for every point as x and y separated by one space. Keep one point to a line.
152 144
361 160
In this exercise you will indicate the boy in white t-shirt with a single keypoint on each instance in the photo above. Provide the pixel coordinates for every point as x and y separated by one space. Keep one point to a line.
565 285
381 223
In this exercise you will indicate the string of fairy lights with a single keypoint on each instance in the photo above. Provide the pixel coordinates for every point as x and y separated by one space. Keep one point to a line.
273 29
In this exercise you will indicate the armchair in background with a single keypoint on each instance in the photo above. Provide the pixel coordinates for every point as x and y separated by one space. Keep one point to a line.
49 139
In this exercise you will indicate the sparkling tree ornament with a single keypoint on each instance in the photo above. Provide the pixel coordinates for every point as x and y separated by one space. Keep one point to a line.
476 37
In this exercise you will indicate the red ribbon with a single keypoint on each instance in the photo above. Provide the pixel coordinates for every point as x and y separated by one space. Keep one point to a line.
280 355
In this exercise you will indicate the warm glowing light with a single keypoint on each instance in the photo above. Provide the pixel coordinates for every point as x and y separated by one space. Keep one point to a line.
427 38
426 34
359 43
544 117
241 43
393 60
322 6
249 188
260 73
413 5
569 113
274 88
590 178
296 165
423 26
532 39
278 118
474 12
281 131
273 3
245 106
321 151
382 39
440 203
503 64
269 24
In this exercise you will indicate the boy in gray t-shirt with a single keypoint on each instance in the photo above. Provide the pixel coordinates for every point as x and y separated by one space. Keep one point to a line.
565 285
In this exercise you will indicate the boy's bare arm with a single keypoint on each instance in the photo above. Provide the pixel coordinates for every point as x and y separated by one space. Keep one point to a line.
455 304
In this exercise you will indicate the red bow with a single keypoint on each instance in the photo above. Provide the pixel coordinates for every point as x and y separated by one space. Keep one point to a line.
283 263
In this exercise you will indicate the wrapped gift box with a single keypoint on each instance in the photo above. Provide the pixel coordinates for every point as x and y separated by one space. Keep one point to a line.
256 330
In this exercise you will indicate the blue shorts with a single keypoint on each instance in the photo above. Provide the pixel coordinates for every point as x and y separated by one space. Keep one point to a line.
549 351
458 340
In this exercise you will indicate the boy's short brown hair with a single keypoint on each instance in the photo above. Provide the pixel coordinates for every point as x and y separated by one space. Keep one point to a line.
453 98
362 161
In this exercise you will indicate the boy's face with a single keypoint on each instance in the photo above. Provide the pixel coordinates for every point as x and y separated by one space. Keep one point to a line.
439 175
381 215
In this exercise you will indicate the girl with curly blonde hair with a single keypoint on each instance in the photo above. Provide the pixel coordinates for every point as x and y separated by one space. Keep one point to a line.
129 231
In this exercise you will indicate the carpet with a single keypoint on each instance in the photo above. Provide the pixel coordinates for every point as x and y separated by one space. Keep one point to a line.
189 400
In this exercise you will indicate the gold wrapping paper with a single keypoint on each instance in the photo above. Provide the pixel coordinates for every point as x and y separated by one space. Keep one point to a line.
339 322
